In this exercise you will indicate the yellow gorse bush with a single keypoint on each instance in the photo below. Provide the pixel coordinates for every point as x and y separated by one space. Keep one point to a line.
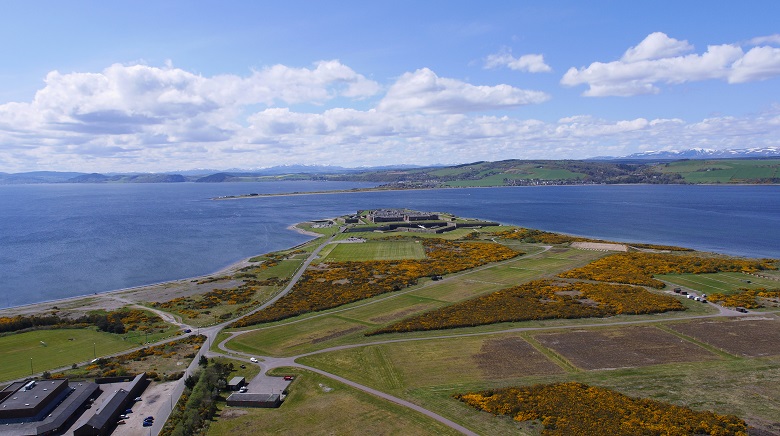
340 283
540 299
578 409
639 268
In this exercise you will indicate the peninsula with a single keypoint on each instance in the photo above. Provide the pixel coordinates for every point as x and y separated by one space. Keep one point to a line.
420 322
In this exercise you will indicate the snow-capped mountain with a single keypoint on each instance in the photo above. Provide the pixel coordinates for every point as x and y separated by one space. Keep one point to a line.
706 153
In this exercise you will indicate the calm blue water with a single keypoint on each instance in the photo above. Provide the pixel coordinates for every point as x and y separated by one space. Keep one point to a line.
64 240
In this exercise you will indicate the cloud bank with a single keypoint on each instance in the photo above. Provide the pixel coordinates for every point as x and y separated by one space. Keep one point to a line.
145 118
660 59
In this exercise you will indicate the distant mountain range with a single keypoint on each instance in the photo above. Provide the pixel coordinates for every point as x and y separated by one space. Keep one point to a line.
701 153
518 171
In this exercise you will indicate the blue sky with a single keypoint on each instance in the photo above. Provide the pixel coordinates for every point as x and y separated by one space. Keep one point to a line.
174 85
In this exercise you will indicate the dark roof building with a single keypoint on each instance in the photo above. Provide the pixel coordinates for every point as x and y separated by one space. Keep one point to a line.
33 401
254 400
236 382
104 420
42 407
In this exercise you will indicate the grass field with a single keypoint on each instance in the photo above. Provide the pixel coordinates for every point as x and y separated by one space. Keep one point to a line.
724 171
330 408
385 250
722 283
64 347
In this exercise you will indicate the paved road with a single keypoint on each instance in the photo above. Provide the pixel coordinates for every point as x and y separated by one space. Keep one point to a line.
267 362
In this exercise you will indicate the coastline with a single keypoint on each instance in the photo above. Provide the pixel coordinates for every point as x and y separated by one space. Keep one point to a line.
229 269
376 189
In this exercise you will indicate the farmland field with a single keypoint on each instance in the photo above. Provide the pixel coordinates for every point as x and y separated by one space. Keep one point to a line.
723 171
48 349
439 361
622 348
751 337
386 250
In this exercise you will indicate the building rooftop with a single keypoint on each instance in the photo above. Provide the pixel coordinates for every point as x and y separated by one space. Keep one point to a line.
33 395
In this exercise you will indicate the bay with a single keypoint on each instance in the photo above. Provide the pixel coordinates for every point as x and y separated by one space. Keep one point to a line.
64 240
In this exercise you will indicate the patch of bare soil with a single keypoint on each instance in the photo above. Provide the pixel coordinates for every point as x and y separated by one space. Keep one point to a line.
512 357
401 313
626 347
751 337
337 334
231 412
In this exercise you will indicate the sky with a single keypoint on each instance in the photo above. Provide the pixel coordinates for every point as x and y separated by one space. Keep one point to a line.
166 86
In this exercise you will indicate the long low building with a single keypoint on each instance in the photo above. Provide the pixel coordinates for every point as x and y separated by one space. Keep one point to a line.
43 407
254 400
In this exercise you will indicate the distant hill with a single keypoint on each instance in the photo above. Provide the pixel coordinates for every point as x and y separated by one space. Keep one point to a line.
128 178
708 166
36 177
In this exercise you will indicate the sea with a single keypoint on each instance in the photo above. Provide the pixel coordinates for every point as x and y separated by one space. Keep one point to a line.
66 240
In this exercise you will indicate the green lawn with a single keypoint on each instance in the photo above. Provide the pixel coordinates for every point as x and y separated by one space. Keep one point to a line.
64 347
722 283
384 250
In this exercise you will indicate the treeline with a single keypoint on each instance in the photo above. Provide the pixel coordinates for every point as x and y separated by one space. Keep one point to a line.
198 403
539 299
578 409
113 322
330 285
639 268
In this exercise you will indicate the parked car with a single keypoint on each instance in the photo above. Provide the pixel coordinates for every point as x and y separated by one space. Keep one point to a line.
187 330
148 423
123 416
128 411
137 399
288 377
149 418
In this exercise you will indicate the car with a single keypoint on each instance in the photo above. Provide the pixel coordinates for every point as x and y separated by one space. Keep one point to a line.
137 399
128 411
120 422
243 366
148 423
123 417
253 360
187 330
149 418
288 377
242 389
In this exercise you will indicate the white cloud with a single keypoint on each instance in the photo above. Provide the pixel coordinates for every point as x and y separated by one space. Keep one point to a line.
531 63
142 118
424 91
656 46
658 60
769 39
760 63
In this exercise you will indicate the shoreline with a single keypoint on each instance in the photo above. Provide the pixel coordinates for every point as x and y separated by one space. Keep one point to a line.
233 267
361 190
